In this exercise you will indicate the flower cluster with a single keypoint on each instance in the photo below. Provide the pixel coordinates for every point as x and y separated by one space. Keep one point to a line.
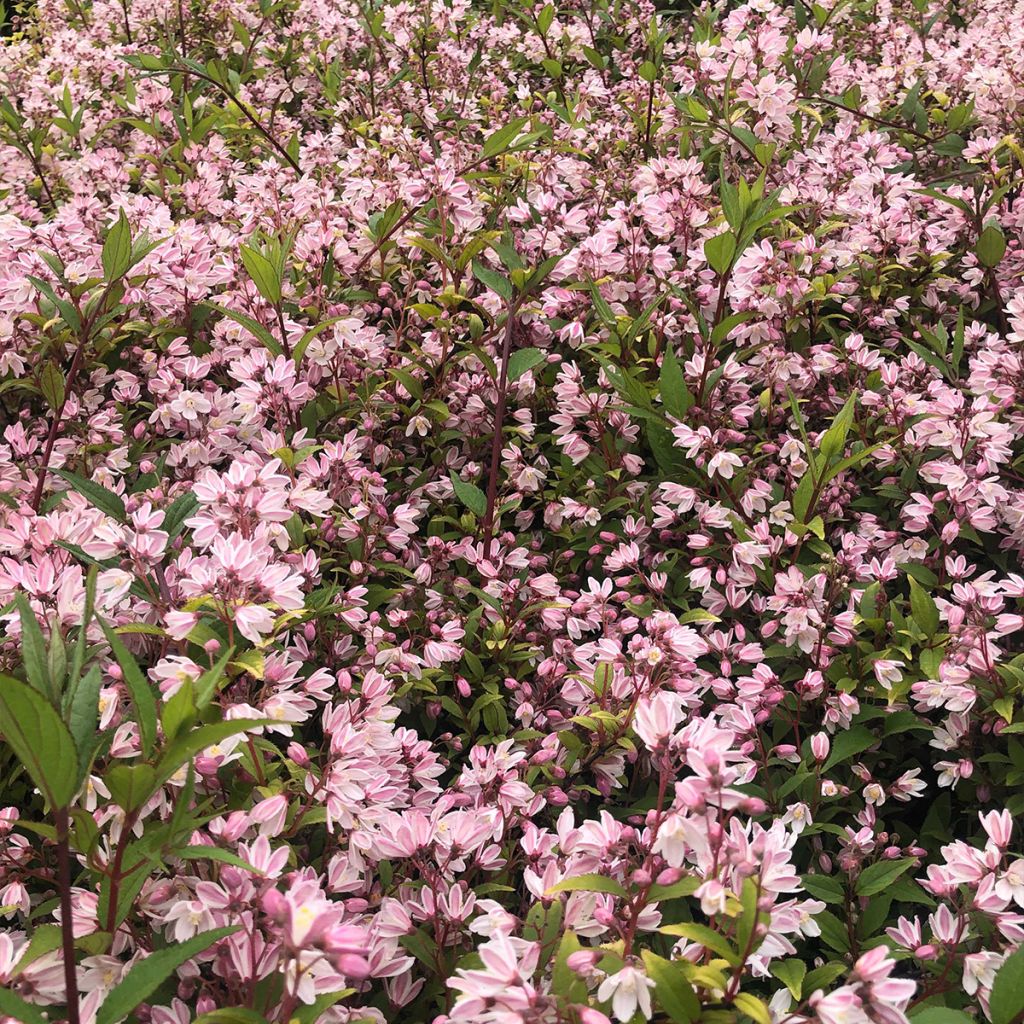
510 513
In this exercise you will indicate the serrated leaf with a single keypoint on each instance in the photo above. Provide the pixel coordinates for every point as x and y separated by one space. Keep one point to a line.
177 512
215 853
116 255
719 252
84 713
752 1007
470 495
52 385
522 361
791 973
40 741
492 279
848 744
991 247
231 1015
96 494
263 272
45 939
16 1007
33 649
923 608
311 1012
941 1015
254 327
675 395
833 441
185 747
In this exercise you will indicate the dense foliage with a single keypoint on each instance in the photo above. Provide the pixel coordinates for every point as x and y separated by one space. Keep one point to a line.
511 513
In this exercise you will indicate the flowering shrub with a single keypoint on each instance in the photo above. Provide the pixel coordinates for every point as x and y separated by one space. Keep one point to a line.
512 513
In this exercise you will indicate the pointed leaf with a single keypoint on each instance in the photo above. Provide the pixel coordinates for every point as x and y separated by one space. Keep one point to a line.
96 494
40 740
149 974
138 689
470 495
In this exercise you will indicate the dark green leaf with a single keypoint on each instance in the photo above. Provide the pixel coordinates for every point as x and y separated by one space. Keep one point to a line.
33 649
470 495
149 974
96 494
40 740
138 689
1006 1003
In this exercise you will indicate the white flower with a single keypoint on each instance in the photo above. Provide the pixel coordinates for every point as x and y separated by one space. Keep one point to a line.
627 990
980 971
798 817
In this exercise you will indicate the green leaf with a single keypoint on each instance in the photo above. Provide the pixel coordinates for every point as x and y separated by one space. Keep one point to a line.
684 887
185 747
824 887
941 1015
752 1007
497 142
312 1012
991 247
673 992
149 974
675 395
84 713
231 1015
1007 1000
215 853
704 936
848 744
16 1007
470 495
565 981
719 252
923 608
822 977
587 883
52 385
96 494
254 327
179 712
177 512
40 740
116 256
493 280
791 974
522 361
33 648
206 685
300 349
138 689
834 439
45 939
263 272
130 785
